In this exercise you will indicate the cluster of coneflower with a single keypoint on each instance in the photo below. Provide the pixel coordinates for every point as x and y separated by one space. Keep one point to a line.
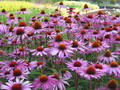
74 47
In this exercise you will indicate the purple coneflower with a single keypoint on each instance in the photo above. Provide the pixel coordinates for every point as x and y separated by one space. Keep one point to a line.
112 85
40 50
17 85
23 10
62 50
76 64
3 12
18 73
60 82
114 69
44 81
90 72
107 57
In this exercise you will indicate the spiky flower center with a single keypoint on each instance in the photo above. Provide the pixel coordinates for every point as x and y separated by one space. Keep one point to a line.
86 27
117 38
95 32
99 66
83 32
107 36
91 70
108 53
21 49
108 29
49 32
3 10
95 44
11 14
37 25
61 3
16 87
59 38
114 64
30 34
1 52
11 29
56 76
46 20
22 24
57 30
85 6
20 31
90 16
12 17
43 78
68 20
14 42
19 17
23 9
7 72
42 12
77 64
40 48
100 12
56 10
62 46
17 72
39 63
112 84
13 64
75 44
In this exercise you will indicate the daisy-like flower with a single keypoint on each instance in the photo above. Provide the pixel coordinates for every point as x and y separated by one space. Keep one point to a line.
17 85
57 40
85 8
18 34
90 72
78 45
61 4
20 51
13 42
39 64
66 74
117 39
37 27
44 81
96 34
2 53
109 30
12 20
3 12
18 73
43 13
60 82
98 46
114 69
62 50
76 64
10 31
10 65
23 10
107 57
101 67
82 34
112 85
40 50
